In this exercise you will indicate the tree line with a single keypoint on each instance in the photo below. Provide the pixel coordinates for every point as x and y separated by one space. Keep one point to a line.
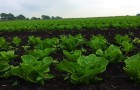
138 14
10 16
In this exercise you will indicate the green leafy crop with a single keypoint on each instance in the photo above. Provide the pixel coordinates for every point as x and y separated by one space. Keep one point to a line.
32 40
51 43
3 44
4 67
113 54
127 46
132 67
103 23
98 42
125 42
71 43
7 55
32 70
72 56
84 70
38 43
16 41
40 54
119 38
136 41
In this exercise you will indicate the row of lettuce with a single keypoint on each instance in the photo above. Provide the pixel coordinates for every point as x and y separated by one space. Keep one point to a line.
79 67
102 23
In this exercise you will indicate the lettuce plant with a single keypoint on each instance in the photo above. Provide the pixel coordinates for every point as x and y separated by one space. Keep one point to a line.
51 42
32 70
119 38
7 55
125 42
47 43
72 56
71 43
3 44
136 41
127 47
113 54
98 42
4 67
32 40
84 70
16 41
43 44
40 54
132 67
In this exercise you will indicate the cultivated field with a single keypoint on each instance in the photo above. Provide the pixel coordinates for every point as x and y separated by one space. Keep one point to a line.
70 54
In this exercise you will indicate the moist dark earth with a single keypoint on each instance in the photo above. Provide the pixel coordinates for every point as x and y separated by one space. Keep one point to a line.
114 78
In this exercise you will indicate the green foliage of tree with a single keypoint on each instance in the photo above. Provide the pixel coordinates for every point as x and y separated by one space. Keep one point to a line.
45 17
138 14
20 17
5 16
35 18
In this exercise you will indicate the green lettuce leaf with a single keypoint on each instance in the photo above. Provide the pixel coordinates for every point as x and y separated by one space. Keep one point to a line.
72 56
114 54
7 55
4 67
85 70
98 42
132 67
32 70
40 54
71 43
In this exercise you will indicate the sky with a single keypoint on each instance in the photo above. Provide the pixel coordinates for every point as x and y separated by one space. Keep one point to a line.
70 8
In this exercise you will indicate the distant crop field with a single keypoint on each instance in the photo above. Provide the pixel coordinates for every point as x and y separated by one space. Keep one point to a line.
101 23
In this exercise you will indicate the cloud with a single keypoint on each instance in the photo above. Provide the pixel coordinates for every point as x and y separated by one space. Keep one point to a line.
70 8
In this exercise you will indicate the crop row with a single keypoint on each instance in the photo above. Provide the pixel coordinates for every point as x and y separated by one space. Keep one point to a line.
82 60
127 22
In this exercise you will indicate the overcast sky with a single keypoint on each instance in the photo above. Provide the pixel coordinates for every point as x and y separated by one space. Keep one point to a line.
70 8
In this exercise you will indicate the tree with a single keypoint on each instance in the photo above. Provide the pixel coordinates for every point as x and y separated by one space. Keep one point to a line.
10 16
45 17
52 17
3 16
27 19
35 18
20 17
138 14
58 17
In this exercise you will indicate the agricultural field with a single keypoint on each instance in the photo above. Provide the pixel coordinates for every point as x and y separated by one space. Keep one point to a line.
104 23
70 54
